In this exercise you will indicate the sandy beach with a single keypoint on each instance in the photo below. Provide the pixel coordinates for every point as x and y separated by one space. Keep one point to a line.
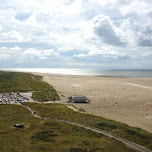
127 100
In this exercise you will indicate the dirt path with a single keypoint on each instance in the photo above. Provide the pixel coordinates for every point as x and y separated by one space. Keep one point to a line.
126 142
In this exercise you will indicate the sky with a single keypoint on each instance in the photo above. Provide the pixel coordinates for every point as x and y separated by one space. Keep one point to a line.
105 34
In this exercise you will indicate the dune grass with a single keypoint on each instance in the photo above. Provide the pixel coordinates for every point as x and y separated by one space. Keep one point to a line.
48 136
45 96
24 82
133 134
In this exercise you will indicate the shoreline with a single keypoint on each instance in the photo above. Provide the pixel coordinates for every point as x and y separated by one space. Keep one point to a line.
83 73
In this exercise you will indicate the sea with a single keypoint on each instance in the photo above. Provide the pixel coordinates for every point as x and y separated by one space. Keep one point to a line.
146 73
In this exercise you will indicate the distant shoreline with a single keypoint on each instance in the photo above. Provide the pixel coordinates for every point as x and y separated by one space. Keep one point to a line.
86 72
39 73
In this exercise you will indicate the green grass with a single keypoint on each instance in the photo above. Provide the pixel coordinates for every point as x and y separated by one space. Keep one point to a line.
48 136
23 82
45 96
61 111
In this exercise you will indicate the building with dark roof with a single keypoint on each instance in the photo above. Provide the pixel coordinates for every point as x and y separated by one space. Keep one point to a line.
78 99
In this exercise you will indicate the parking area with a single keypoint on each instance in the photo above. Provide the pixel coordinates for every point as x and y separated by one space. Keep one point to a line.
15 98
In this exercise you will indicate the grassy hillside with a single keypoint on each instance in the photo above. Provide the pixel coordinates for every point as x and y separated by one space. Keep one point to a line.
48 136
61 111
23 82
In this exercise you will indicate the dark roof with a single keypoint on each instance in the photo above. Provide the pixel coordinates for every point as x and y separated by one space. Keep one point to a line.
78 97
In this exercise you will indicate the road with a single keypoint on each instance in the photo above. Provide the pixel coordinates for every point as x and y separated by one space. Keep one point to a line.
126 142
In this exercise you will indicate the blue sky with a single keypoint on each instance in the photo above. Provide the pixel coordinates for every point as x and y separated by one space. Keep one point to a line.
106 34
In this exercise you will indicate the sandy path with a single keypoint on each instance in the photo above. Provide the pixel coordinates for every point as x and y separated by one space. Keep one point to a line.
127 100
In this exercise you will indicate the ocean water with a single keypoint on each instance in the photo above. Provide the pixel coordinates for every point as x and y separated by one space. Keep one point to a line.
91 72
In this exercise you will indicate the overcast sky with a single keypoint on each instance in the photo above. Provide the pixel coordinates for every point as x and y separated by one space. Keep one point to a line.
108 34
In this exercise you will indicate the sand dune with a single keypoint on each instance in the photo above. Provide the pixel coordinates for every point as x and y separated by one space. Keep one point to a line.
127 100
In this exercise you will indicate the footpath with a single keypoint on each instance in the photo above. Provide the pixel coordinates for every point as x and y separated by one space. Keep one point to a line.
126 142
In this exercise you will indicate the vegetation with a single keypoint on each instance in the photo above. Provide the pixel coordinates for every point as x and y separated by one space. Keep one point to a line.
81 110
61 111
46 135
45 96
23 82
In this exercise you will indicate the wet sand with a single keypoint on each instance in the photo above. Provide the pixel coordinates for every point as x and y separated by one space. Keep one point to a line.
127 100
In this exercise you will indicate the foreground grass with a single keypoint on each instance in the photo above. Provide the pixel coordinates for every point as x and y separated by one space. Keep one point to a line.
61 111
48 136
23 82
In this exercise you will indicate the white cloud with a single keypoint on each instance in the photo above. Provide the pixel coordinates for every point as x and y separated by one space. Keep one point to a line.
138 33
0 28
129 27
8 54
32 20
80 55
49 52
104 52
136 7
130 31
13 50
108 51
16 54
82 28
147 54
11 36
32 53
4 57
107 31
